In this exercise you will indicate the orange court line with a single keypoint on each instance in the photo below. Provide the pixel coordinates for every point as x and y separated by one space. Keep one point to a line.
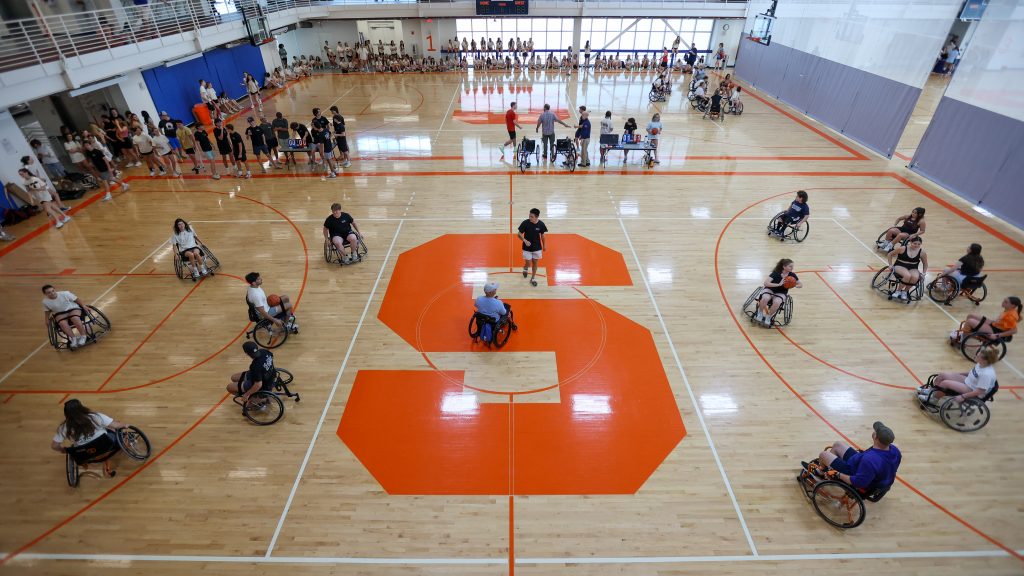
871 330
837 368
805 402
114 488
902 157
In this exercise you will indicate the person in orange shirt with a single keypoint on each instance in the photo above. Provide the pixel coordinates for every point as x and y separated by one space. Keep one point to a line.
1005 325
510 125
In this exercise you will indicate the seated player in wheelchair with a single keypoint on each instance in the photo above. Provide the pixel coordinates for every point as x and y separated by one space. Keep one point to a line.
777 287
969 265
68 312
660 87
341 230
797 213
715 105
905 262
275 309
974 384
186 244
490 305
868 471
261 374
910 226
700 96
88 436
1003 327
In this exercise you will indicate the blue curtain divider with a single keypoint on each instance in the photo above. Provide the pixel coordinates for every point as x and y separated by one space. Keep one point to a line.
176 88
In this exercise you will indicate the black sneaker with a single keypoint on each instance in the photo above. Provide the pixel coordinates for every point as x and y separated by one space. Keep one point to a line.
526 271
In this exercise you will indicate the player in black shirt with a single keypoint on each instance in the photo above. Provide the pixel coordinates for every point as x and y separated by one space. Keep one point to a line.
319 121
170 129
223 140
272 143
205 149
322 137
258 138
261 374
340 228
532 232
104 168
340 139
238 152
305 139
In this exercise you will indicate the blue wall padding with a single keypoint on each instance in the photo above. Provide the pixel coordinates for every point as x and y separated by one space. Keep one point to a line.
176 88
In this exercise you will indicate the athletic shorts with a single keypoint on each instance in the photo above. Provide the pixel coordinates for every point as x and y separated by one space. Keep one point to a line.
175 143
342 143
272 143
150 153
840 465
184 253
190 151
208 154
532 255
511 134
257 150
106 176
239 157
274 311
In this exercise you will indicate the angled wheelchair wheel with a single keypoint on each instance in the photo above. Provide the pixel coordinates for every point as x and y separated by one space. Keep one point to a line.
943 289
737 108
72 470
179 266
800 234
330 254
749 307
100 322
266 335
263 408
474 328
967 416
880 281
570 159
838 504
212 263
502 334
284 377
361 249
787 312
977 295
652 95
133 443
974 342
58 339
773 224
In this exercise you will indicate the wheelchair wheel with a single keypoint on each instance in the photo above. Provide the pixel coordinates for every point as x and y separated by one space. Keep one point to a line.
943 289
838 504
266 336
263 408
133 443
800 234
212 264
774 223
652 95
967 416
747 308
503 333
98 324
361 249
179 266
977 295
570 159
474 328
974 342
284 377
880 281
58 339
72 470
787 311
737 108
329 252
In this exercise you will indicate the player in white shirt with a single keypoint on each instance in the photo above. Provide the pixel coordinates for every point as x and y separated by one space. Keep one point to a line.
66 309
84 428
277 309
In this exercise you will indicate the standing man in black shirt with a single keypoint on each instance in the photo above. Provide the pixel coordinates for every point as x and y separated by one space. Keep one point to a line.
532 232
258 139
104 168
322 137
272 143
338 123
223 140
260 375
280 125
340 228
205 148
321 122
238 152
170 129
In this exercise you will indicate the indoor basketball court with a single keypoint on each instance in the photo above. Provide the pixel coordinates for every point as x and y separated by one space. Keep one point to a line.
637 422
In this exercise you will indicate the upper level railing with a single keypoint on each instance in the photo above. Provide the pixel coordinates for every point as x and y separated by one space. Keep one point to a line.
67 37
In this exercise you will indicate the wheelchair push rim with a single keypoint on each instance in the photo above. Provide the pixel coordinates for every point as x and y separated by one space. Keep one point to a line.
966 416
942 290
266 336
72 471
974 342
134 443
838 504
263 408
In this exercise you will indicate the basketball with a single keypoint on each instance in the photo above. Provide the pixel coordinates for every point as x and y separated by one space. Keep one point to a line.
789 282
275 300
655 130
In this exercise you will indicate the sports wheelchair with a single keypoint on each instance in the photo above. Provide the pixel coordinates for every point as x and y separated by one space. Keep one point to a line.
881 242
264 334
700 103
944 289
265 407
501 329
565 147
714 112
837 502
656 95
209 260
129 440
331 255
971 342
778 223
523 151
733 107
967 416
786 309
886 282
96 326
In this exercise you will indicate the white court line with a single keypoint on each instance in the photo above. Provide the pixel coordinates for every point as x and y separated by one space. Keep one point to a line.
95 300
341 560
330 397
923 296
689 390
458 88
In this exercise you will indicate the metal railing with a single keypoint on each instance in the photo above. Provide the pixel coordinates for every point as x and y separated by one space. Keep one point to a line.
68 37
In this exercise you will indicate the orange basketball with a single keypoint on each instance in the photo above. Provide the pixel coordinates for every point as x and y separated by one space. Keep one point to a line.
274 300
655 130
789 282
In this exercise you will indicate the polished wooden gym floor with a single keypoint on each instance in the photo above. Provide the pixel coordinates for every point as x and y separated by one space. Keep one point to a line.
636 423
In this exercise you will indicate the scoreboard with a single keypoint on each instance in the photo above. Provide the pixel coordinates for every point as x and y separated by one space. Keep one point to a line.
502 7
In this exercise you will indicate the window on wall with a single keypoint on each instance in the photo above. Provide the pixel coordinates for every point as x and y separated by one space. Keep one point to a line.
630 34
547 33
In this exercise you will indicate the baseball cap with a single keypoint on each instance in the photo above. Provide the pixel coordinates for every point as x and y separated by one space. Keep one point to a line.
491 287
164 113
884 433
250 347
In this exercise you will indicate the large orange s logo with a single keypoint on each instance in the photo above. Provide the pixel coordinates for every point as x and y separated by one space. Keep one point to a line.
424 432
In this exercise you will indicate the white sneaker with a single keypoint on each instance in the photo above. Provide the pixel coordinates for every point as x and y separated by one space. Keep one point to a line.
125 186
216 176
59 224
346 164
107 197
248 174
177 173
163 173
332 175
82 340
887 247
67 219
152 173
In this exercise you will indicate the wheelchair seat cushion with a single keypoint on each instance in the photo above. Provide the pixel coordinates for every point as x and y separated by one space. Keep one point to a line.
563 144
97 450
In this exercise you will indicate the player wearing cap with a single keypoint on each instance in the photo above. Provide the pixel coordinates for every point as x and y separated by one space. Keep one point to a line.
870 469
489 304
259 376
